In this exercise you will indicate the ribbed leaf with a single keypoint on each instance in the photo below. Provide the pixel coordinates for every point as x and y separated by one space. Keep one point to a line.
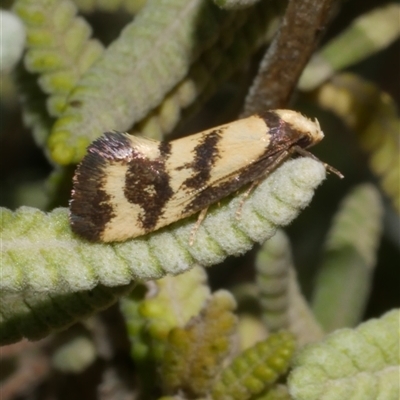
43 261
58 47
372 114
368 34
344 279
282 304
214 66
194 353
170 303
277 392
137 70
175 301
256 369
54 32
34 109
362 363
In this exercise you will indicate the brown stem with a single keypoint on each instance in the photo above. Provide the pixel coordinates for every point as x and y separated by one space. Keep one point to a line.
293 45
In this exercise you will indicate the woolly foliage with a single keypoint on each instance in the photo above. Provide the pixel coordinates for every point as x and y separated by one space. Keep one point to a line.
58 47
367 34
195 352
33 100
361 363
170 303
256 369
174 302
277 392
372 114
344 279
282 304
44 263
214 66
173 32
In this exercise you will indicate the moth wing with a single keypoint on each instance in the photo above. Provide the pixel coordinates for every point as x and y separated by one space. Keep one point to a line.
99 208
212 164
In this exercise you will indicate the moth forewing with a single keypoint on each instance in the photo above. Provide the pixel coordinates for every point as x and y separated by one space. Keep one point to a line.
128 186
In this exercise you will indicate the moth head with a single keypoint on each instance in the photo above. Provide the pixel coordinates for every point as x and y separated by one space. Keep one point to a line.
309 131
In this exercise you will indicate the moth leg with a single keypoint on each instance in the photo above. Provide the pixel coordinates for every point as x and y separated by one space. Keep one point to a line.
282 157
196 227
245 195
306 153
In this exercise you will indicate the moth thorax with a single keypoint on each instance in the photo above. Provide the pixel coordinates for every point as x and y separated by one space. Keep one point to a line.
305 127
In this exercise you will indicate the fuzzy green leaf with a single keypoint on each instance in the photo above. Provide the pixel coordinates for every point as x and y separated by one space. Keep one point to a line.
58 47
152 54
362 363
194 353
282 304
169 303
277 392
212 68
42 259
373 116
256 369
344 280
368 34
176 299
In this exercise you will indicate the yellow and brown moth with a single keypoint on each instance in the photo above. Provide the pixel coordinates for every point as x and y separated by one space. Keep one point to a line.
127 186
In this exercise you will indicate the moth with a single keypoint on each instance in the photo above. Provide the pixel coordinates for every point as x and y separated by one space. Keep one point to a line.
127 186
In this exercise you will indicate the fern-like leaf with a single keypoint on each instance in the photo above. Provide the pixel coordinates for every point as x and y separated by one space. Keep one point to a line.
214 66
170 303
368 34
277 392
256 369
282 304
175 301
59 48
152 54
344 280
362 363
372 114
194 353
43 260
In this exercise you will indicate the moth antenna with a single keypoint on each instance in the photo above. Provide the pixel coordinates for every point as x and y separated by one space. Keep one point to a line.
329 168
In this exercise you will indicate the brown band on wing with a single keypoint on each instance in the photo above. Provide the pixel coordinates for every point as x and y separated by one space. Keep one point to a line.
282 138
90 207
283 134
205 155
147 184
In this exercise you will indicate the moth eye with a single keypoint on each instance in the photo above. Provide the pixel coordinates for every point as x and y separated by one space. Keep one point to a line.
304 141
